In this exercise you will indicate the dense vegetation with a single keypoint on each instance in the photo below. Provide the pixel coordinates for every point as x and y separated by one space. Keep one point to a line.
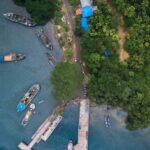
41 10
74 2
68 54
66 79
120 83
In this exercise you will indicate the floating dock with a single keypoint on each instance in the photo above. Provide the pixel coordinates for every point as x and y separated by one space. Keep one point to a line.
83 127
43 132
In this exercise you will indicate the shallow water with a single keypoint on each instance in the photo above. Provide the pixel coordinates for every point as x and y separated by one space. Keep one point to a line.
117 137
16 78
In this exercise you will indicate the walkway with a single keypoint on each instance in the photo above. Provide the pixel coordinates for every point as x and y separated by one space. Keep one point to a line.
69 15
43 132
123 54
122 35
83 127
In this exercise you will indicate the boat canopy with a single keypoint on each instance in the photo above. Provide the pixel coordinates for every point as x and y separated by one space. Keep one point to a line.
1 59
20 107
8 57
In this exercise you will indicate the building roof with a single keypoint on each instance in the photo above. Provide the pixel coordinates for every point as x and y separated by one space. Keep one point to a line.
84 24
87 11
85 3
78 11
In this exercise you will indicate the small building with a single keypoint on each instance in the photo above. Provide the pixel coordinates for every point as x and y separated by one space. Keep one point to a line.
78 11
86 11
84 24
85 3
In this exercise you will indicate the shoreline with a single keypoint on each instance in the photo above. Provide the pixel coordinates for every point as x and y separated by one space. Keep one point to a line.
65 131
116 113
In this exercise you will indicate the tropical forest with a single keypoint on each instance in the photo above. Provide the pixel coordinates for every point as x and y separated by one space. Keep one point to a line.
116 51
41 10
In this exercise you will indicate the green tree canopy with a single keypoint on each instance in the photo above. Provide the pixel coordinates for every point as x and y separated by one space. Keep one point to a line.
68 53
127 83
41 10
20 2
66 79
74 2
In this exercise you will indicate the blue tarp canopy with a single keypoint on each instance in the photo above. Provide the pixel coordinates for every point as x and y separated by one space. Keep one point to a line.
106 53
84 24
20 107
1 59
87 11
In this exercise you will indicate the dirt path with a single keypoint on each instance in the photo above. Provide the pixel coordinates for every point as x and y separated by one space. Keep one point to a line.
122 35
69 15
123 54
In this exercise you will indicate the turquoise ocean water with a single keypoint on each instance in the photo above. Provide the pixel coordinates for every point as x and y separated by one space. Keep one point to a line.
16 78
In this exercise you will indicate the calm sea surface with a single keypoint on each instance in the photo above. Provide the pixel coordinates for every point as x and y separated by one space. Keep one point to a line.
16 78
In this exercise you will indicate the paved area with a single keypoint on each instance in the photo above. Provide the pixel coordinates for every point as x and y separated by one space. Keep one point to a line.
83 127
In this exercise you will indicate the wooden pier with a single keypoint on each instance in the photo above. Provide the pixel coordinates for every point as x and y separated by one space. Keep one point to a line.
83 126
43 132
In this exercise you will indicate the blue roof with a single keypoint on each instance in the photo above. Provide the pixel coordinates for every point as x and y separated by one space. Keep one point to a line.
84 24
20 107
1 58
87 11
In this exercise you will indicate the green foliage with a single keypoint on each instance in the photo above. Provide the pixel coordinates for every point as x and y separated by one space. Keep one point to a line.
130 11
125 84
41 10
135 11
60 112
78 29
58 16
139 39
66 79
103 21
121 6
68 53
74 2
20 2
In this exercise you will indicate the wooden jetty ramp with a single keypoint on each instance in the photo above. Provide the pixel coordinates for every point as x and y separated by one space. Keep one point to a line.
43 132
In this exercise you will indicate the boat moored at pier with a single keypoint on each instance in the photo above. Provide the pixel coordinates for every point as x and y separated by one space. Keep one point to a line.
20 19
70 145
43 132
51 59
28 115
44 39
28 97
11 57
107 121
